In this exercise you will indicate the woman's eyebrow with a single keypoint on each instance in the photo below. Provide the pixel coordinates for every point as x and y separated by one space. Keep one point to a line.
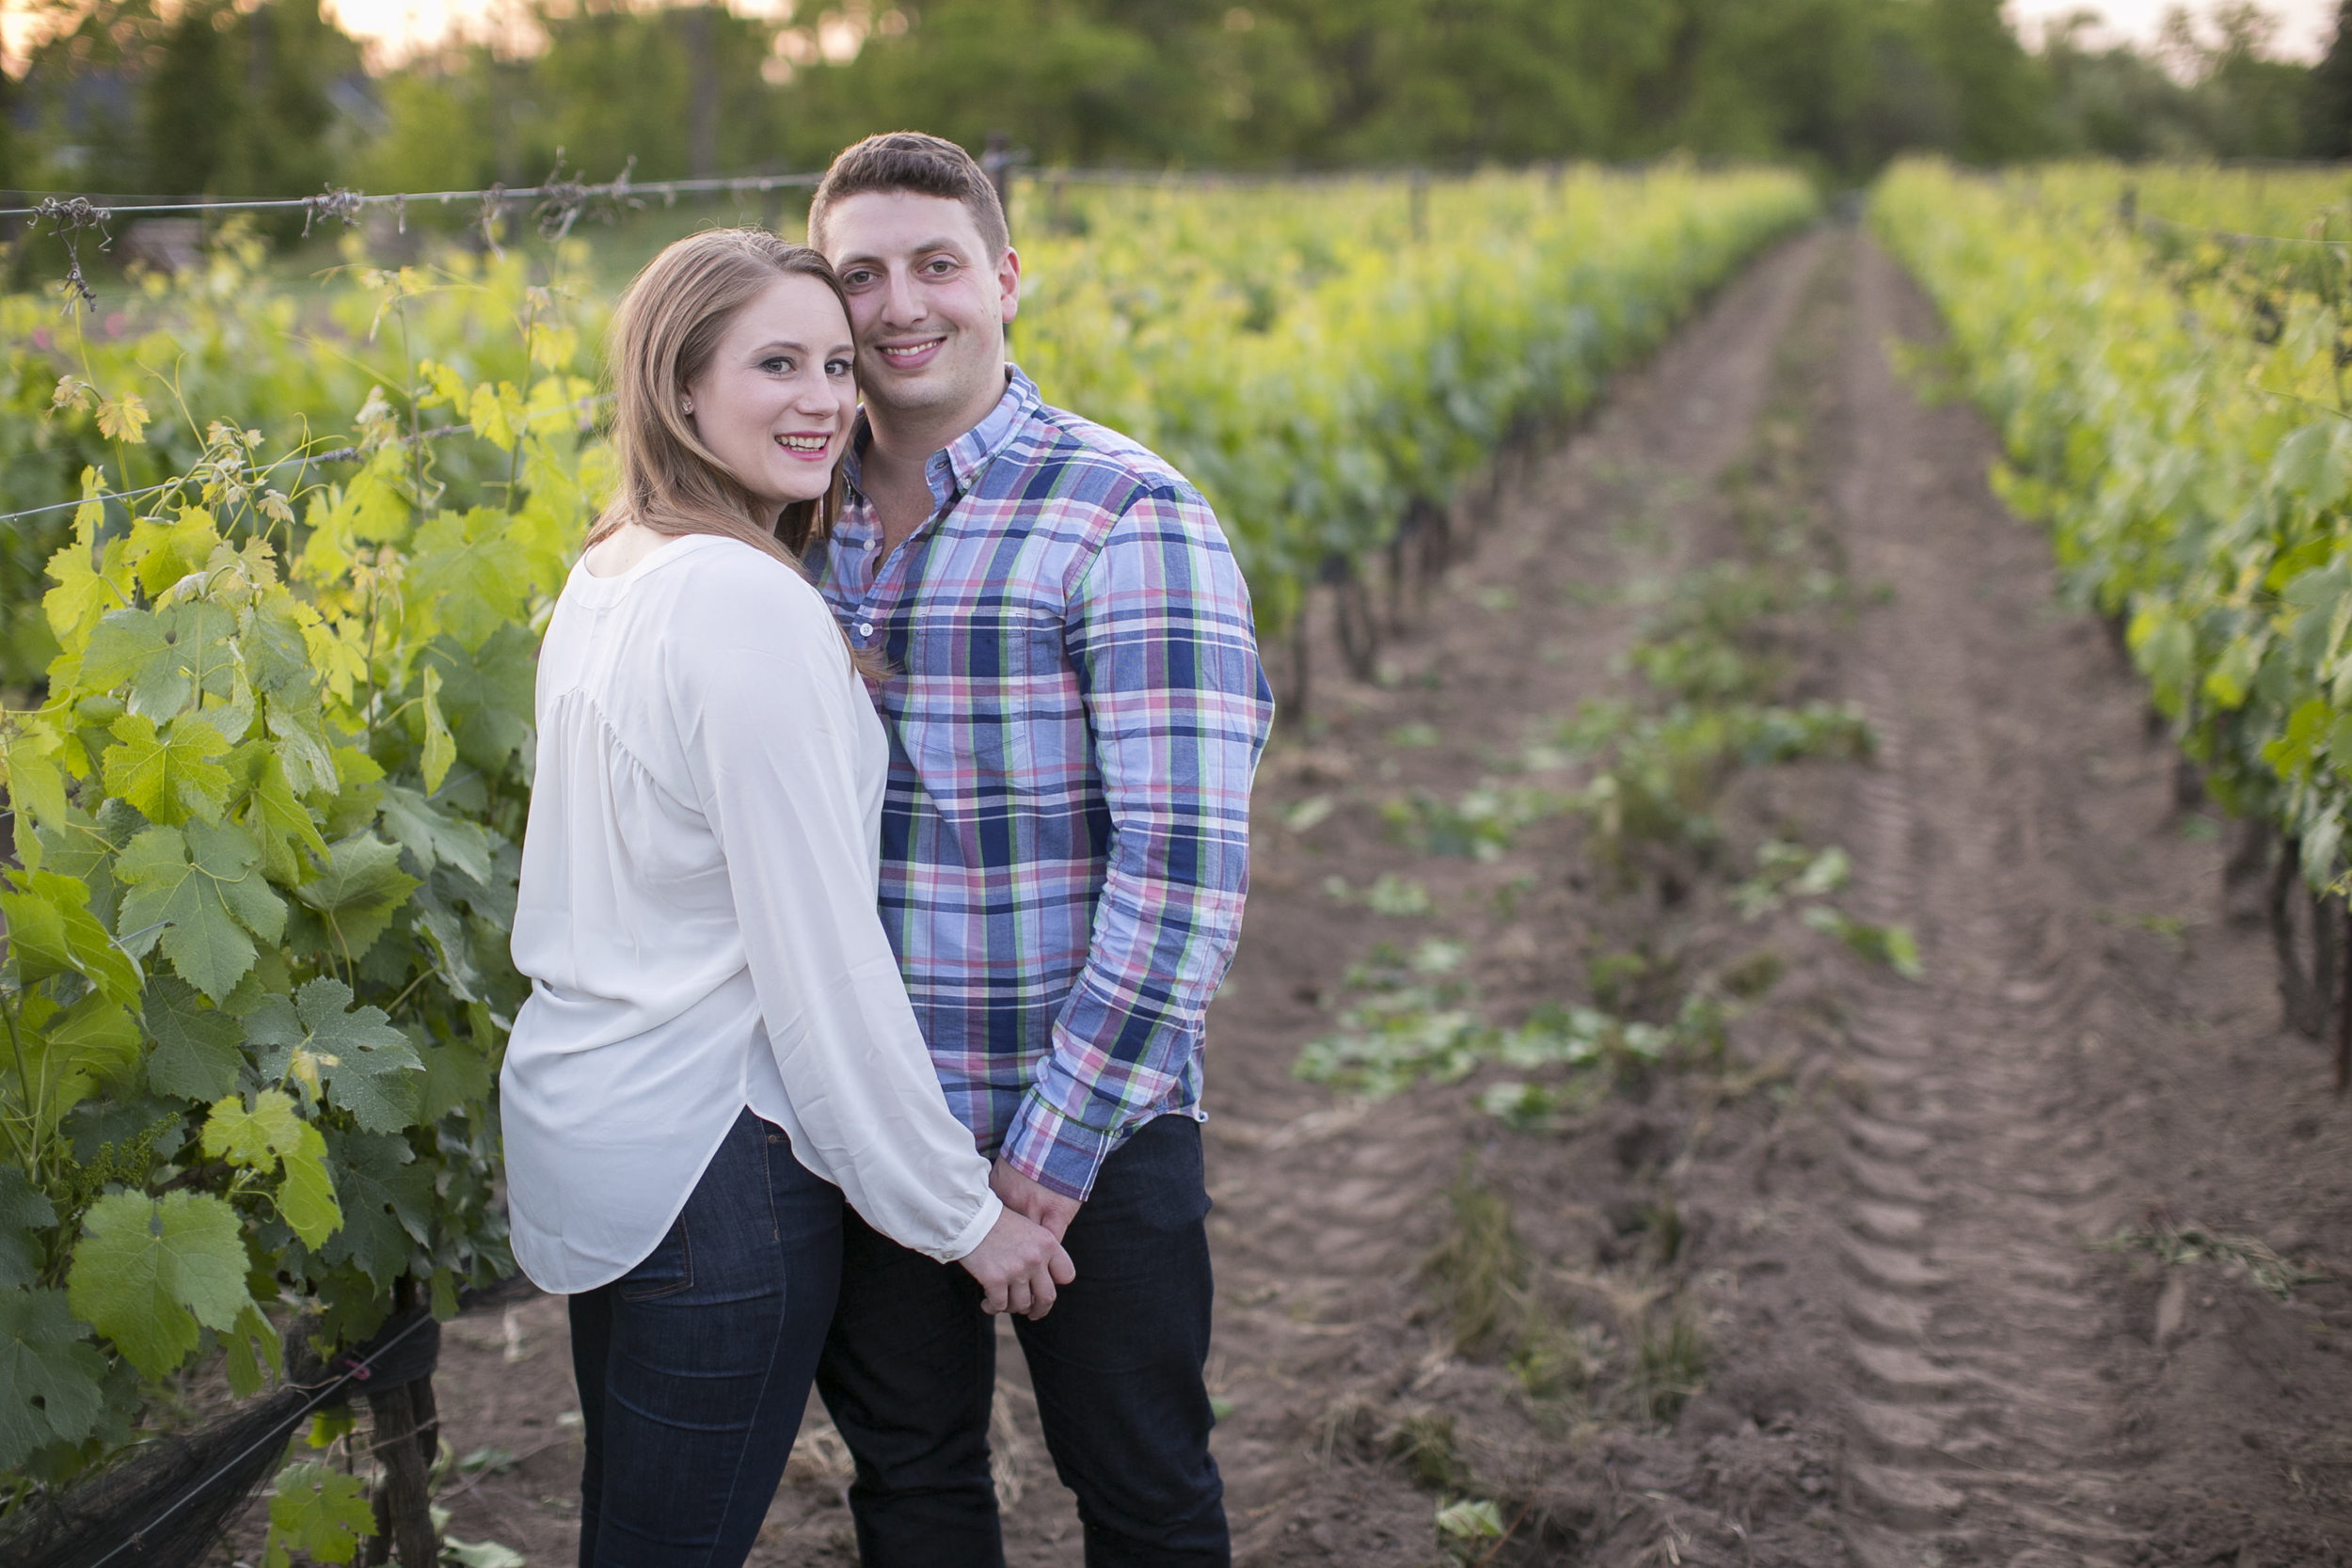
779 344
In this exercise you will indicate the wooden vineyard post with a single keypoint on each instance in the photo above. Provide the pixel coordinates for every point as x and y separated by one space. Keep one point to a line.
2344 1009
403 1502
405 1437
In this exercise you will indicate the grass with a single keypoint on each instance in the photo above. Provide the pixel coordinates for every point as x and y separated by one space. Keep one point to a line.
1426 1443
1670 1363
1481 1269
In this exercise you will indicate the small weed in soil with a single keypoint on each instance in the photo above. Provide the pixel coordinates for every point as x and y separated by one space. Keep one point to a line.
1481 1268
1670 1362
2174 1244
1425 1442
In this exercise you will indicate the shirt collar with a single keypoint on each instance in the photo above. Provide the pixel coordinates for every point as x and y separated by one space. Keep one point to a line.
955 468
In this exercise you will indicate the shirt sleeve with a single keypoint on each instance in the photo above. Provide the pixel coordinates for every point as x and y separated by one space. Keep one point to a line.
764 693
1162 636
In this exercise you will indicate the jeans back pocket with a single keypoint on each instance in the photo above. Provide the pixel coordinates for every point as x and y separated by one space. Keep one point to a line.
665 1271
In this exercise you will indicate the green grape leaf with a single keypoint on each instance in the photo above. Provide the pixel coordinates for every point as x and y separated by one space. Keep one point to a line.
440 749
255 1136
171 776
204 890
496 413
442 924
51 931
49 1375
433 838
306 1192
36 788
270 1134
84 594
356 1059
164 658
166 551
321 1511
83 848
300 730
359 891
277 658
250 1354
148 1272
274 812
468 576
196 1054
24 1209
387 1201
93 1043
455 1074
486 692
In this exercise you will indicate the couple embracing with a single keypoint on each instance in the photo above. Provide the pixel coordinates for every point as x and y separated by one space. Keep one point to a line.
888 839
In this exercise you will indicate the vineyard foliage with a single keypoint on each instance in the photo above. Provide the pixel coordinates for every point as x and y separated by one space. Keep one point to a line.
1320 359
268 753
2163 354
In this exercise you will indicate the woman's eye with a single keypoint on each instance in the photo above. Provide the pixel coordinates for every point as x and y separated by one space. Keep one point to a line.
776 364
836 367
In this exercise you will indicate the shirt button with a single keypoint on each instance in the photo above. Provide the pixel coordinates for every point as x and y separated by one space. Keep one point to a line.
866 628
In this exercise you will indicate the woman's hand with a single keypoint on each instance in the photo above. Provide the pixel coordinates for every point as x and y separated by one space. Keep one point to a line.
1019 1264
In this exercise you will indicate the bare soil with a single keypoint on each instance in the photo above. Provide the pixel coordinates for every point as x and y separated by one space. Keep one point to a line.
1851 1293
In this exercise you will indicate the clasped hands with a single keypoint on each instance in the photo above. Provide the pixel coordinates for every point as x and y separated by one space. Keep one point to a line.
1020 1263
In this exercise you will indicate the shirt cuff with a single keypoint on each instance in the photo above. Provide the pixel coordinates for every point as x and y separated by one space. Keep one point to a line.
991 1207
1057 1152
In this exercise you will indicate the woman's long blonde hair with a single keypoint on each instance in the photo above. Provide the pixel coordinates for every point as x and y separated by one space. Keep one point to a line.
667 327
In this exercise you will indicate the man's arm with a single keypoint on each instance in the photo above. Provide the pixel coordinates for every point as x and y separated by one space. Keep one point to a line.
1161 633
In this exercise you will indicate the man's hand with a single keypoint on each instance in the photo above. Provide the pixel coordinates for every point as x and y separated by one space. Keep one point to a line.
1032 1202
1018 1264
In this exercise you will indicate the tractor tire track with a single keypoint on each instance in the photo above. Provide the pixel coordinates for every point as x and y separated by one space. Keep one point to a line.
1980 1420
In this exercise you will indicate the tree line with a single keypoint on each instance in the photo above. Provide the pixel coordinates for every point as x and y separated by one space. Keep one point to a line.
235 98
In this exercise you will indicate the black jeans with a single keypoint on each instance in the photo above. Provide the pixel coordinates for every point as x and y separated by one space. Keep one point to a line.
694 1367
910 1364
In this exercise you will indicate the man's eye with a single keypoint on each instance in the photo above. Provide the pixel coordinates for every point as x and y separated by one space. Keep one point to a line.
856 279
941 264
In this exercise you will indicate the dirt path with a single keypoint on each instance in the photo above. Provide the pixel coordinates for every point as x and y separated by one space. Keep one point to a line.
2053 1079
1980 1416
1818 1281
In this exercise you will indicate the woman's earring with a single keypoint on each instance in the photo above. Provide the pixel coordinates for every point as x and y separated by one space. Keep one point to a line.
686 409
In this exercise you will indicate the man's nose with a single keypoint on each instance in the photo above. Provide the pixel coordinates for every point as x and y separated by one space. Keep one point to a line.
902 303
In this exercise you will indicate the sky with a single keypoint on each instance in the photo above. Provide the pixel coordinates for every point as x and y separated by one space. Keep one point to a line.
2304 25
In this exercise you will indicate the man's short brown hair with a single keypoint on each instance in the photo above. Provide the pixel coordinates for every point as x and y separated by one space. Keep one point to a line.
912 161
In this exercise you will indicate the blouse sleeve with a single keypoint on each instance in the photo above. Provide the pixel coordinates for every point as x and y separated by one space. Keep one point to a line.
762 689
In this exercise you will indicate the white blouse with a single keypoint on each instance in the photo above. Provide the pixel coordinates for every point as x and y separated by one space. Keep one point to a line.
697 920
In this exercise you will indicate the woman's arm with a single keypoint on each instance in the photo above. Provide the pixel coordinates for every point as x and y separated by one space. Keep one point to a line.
761 688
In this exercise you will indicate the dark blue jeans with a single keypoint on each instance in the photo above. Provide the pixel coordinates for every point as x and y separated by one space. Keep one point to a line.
910 1364
694 1367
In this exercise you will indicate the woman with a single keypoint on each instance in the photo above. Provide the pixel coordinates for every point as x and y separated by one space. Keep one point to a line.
717 1048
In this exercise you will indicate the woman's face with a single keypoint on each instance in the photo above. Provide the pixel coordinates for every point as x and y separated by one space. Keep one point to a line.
775 401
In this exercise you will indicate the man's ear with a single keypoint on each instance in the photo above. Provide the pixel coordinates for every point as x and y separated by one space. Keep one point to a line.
1009 283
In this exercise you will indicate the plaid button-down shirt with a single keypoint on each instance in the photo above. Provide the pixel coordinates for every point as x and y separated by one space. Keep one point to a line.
1075 711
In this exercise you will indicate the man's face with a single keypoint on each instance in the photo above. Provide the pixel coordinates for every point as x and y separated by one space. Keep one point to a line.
927 302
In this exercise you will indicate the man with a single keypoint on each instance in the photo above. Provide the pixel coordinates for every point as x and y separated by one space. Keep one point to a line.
1076 709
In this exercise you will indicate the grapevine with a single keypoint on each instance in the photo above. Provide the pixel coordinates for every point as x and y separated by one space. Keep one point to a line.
266 792
2163 355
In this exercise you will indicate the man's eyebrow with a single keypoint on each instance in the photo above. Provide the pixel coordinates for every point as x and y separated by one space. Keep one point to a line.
942 242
